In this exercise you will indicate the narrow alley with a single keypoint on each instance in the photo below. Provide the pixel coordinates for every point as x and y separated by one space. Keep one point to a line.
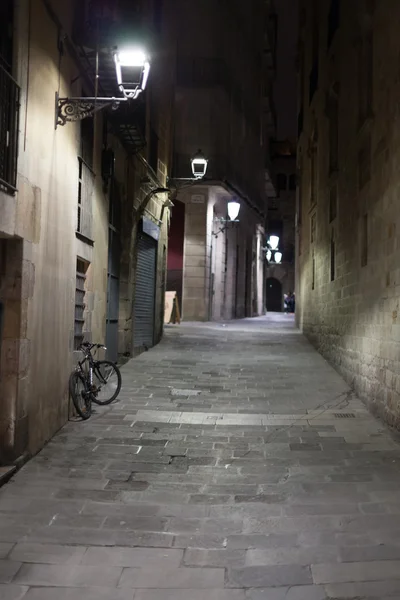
236 464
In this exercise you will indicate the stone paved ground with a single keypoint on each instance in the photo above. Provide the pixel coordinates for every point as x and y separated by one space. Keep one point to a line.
235 465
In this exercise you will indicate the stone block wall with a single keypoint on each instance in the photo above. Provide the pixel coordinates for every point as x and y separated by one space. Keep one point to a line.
348 291
223 270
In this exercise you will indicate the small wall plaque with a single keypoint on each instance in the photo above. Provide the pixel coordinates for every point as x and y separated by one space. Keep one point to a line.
197 199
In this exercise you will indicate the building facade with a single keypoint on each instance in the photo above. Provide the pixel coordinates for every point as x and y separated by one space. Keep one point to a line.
83 231
220 106
280 278
348 206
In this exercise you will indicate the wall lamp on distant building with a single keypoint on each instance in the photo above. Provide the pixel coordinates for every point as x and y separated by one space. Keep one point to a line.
132 70
233 209
199 165
272 252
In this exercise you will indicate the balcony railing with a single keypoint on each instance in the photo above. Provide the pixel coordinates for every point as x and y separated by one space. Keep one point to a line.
9 122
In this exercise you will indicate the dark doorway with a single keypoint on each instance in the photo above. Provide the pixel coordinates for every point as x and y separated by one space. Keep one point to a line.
145 291
246 286
274 295
175 250
113 273
236 281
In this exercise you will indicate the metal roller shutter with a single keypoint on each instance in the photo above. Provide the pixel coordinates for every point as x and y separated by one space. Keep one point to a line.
145 290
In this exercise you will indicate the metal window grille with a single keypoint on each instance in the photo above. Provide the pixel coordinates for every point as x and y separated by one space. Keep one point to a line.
79 304
85 193
9 123
313 228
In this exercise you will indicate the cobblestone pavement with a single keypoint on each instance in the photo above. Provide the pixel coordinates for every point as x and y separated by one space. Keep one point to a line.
235 465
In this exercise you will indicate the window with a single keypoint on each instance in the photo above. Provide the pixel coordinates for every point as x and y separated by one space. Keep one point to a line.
292 182
313 228
200 71
365 78
315 29
6 33
313 82
313 272
85 193
153 150
333 20
333 113
314 169
364 240
332 203
281 181
333 257
313 85
158 15
300 191
364 164
9 103
301 86
85 179
80 291
87 140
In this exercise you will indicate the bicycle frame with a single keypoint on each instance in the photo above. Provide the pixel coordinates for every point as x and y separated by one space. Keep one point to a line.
88 358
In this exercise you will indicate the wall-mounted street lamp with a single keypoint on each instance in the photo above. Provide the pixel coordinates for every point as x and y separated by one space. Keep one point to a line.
199 165
132 68
272 252
233 209
132 72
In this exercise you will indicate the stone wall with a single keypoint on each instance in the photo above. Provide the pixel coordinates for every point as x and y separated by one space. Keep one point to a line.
348 197
40 249
223 270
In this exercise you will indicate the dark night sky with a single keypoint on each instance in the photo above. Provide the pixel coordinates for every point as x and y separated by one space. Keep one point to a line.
285 89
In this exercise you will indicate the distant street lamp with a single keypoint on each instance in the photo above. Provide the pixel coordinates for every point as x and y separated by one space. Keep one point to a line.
272 252
199 165
273 242
233 208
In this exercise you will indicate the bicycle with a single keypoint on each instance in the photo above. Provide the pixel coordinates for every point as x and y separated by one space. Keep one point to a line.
93 380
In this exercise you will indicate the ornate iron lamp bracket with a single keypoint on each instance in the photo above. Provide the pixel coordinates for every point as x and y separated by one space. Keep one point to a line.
76 109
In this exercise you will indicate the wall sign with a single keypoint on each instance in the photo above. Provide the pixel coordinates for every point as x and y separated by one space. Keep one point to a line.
197 199
151 228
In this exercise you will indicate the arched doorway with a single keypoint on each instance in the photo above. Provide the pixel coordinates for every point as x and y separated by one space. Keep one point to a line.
274 295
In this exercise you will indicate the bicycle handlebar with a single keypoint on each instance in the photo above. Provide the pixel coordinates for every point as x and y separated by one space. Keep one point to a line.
89 346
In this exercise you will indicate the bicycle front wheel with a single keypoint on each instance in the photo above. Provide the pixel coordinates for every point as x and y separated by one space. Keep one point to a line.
107 379
80 395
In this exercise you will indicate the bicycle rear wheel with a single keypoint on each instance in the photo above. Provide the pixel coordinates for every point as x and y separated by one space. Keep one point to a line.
80 395
107 379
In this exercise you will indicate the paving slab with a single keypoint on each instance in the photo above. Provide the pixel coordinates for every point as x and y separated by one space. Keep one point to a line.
235 465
